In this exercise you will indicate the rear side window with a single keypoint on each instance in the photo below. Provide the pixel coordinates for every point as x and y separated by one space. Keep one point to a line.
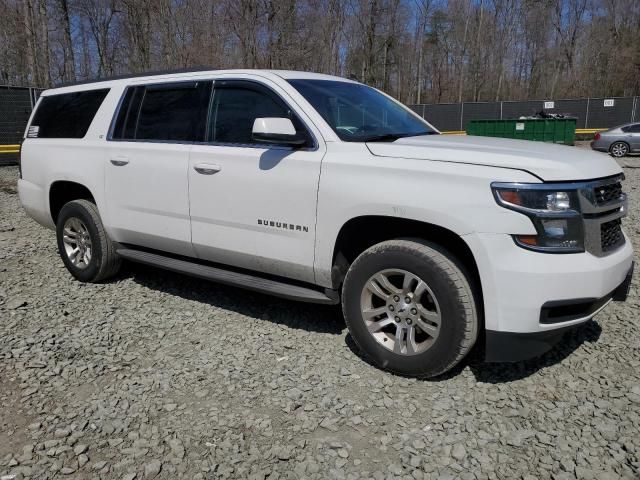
165 112
634 128
68 115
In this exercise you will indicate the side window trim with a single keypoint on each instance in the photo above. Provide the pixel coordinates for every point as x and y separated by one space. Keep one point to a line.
186 85
258 87
152 86
133 109
117 111
142 95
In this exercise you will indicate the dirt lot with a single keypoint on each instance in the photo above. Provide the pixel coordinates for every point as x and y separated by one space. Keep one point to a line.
159 375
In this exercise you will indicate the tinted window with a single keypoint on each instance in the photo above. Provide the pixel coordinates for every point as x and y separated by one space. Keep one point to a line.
128 114
358 113
167 112
236 105
66 116
175 113
635 128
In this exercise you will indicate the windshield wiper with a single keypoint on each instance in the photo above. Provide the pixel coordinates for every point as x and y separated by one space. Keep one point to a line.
390 137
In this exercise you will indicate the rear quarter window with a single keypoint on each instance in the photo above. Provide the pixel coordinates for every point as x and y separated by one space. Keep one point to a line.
67 115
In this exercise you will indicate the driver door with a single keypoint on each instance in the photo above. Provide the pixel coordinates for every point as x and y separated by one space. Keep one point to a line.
253 205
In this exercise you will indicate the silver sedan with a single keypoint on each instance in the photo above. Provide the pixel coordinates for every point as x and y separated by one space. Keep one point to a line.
618 141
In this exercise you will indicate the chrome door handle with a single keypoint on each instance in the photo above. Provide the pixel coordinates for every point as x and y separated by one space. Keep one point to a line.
119 161
206 168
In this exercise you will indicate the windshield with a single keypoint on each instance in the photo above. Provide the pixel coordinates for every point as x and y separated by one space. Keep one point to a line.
358 113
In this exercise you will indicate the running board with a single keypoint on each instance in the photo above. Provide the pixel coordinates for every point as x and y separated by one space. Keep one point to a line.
227 277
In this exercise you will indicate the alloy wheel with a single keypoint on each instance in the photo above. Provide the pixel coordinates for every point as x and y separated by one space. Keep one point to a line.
400 311
619 149
77 242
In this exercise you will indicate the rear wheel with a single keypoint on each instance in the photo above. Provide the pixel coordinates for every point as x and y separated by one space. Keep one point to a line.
410 308
84 246
619 149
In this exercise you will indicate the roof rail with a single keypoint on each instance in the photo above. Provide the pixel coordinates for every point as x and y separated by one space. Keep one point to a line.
140 74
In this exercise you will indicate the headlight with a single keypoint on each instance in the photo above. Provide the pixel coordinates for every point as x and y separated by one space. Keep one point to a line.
555 215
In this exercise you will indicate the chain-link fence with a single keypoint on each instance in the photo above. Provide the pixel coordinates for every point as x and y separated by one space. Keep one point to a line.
592 113
16 104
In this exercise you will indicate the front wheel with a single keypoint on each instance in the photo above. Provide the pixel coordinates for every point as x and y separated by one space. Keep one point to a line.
84 246
410 308
619 149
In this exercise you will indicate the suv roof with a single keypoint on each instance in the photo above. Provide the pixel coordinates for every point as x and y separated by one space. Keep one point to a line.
185 74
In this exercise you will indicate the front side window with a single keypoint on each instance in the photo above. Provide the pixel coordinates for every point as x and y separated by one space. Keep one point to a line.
164 112
236 105
66 115
358 113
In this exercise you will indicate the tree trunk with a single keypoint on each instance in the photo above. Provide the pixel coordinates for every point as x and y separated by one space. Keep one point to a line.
69 57
32 64
462 55
44 33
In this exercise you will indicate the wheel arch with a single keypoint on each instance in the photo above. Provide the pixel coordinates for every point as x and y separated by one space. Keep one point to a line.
64 191
362 232
620 141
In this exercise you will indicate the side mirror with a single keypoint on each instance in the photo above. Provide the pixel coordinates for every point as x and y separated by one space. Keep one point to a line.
279 131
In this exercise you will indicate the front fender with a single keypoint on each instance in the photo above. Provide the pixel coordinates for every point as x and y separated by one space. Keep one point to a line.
456 197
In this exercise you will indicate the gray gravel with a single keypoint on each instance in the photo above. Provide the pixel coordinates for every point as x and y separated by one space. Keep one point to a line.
155 375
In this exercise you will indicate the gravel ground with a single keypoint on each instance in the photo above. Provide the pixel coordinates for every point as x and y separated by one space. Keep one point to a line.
156 375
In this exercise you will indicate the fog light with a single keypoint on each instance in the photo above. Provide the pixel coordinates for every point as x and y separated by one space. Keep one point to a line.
555 228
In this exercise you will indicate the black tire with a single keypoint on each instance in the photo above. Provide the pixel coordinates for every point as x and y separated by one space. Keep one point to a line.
446 280
619 149
104 262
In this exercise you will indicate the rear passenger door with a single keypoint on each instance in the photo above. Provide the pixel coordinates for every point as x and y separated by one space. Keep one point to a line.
146 179
254 205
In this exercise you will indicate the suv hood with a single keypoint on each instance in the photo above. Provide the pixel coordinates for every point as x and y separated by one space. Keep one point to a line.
547 161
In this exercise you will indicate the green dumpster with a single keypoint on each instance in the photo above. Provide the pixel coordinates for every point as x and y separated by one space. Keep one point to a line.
553 130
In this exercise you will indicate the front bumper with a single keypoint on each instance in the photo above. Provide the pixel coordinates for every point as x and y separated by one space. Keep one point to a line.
530 298
514 347
517 283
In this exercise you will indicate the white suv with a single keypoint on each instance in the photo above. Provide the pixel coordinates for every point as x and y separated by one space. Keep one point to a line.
320 189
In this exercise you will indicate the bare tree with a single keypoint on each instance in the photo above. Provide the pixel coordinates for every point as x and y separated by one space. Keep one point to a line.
245 18
417 50
67 42
138 32
101 16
